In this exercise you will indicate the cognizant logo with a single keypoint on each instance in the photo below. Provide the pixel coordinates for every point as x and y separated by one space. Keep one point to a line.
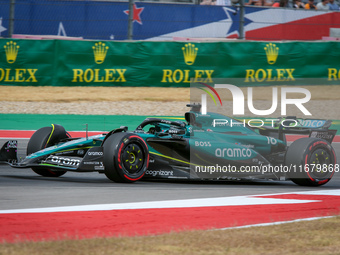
238 99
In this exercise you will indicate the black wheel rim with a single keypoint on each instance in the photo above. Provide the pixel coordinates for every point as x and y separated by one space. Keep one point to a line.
320 164
132 158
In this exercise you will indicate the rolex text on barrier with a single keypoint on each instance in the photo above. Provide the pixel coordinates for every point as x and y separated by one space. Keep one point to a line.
166 64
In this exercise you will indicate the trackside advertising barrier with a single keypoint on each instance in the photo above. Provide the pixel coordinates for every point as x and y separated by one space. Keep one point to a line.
108 20
166 64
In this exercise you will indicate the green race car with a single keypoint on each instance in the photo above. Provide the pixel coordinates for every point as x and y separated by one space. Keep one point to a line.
204 147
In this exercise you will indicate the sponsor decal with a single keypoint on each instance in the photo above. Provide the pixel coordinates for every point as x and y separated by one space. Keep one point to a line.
173 131
261 75
233 152
100 50
190 52
95 153
166 121
202 144
159 173
63 161
101 167
333 74
11 50
18 74
176 131
250 146
272 51
268 74
98 75
326 135
65 153
313 123
92 163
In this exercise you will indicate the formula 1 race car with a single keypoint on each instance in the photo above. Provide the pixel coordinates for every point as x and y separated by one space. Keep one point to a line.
205 147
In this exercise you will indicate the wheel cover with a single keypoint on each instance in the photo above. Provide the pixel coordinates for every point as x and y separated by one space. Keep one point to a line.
132 158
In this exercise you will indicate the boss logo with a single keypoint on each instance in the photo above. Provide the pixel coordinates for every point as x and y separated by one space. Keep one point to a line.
203 144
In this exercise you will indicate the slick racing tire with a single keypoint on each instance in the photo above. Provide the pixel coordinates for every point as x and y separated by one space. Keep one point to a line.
312 161
126 157
43 138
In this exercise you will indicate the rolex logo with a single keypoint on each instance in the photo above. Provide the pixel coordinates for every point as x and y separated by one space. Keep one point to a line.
190 53
272 52
11 50
99 50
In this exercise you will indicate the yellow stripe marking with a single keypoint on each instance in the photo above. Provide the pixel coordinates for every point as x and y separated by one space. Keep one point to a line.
173 158
49 138
75 149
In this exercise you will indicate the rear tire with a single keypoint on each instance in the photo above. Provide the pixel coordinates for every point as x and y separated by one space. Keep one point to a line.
126 157
305 155
42 139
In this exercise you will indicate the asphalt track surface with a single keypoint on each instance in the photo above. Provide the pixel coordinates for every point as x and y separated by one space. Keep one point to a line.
22 188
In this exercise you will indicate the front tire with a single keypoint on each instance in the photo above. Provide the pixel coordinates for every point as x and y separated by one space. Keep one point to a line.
126 157
43 138
312 161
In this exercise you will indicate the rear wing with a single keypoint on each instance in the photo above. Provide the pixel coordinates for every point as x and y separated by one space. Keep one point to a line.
317 128
299 123
327 135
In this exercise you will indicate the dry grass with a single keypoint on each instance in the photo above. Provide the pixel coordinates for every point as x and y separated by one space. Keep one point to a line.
313 237
92 94
95 94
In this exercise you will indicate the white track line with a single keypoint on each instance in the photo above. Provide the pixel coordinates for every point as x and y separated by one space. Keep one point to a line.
277 223
185 203
329 192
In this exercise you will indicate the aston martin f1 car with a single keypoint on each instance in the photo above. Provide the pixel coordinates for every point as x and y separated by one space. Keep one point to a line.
204 147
